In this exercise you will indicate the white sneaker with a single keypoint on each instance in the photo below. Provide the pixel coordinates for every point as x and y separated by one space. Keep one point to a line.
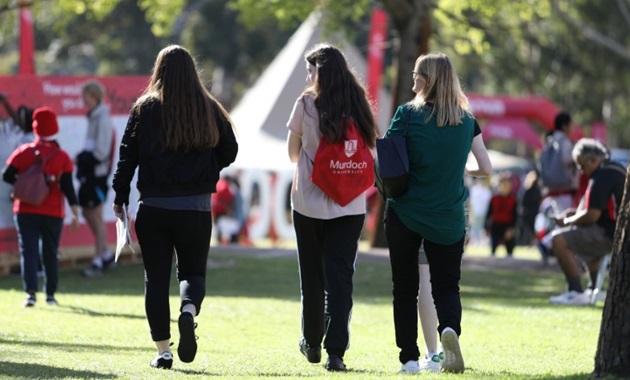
453 359
571 297
431 364
410 368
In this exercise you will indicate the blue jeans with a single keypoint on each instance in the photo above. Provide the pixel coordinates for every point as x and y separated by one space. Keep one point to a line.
31 229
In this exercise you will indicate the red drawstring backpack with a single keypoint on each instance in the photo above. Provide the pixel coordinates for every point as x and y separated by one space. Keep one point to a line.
344 170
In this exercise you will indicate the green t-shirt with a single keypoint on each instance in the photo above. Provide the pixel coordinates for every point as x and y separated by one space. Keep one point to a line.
433 205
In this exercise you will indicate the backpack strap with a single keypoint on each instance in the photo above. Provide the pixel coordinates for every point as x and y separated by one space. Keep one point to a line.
50 178
614 166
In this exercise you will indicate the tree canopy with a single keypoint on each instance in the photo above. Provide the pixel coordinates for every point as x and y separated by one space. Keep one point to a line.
572 51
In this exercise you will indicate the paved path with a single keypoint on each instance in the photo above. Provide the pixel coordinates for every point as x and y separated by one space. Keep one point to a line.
381 255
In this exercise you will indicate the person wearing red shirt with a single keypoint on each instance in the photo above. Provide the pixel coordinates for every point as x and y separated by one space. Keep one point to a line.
44 222
501 218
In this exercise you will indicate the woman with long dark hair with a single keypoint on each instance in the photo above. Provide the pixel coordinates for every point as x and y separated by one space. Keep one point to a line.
327 232
179 137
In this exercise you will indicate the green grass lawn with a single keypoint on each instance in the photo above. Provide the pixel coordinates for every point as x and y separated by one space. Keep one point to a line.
250 324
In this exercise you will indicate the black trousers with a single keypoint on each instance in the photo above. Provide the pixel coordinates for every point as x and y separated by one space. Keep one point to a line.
160 233
327 252
497 237
444 266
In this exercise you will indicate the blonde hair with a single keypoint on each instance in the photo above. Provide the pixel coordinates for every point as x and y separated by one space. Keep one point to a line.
95 89
442 88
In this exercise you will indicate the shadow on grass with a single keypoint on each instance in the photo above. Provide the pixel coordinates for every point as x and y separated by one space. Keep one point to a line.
278 278
256 375
193 372
93 313
517 376
36 370
69 347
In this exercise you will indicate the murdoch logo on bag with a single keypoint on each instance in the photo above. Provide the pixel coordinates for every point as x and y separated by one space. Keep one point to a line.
351 147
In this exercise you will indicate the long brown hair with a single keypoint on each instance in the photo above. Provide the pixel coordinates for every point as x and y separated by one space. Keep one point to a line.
188 109
339 94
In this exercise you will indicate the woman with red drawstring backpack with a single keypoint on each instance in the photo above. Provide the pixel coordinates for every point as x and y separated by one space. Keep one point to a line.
332 108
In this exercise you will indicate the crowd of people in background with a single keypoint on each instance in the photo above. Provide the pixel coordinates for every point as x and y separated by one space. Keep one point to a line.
179 138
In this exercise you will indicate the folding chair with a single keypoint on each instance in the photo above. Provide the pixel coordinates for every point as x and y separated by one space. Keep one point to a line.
598 293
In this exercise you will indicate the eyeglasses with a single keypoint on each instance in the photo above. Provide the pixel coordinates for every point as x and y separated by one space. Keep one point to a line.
414 74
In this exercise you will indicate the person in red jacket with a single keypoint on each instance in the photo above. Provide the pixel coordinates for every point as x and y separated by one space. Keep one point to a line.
501 218
42 223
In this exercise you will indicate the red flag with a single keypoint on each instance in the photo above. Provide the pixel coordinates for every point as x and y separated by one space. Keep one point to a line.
376 44
27 41
599 132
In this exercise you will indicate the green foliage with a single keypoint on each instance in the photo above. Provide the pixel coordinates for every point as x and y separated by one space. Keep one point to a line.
253 13
540 47
99 46
249 326
530 47
340 13
162 13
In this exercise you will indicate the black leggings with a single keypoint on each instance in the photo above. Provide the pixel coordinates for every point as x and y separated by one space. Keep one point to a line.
327 251
160 233
444 266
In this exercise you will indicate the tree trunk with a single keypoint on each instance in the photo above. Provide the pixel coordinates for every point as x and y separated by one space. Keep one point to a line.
613 348
414 27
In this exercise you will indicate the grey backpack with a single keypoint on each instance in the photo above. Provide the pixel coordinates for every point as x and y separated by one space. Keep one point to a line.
553 173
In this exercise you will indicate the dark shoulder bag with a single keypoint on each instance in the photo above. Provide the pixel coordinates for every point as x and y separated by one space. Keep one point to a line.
391 166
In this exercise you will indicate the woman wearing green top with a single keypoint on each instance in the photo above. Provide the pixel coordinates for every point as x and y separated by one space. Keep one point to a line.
440 134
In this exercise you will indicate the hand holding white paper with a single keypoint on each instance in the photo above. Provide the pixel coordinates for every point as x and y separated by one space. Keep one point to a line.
123 233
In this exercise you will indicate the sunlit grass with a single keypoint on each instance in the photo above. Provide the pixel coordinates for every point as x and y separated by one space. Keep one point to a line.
250 324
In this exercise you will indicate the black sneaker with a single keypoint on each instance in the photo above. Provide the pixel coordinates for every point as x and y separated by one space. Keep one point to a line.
162 361
313 354
335 364
187 348
109 263
50 300
30 300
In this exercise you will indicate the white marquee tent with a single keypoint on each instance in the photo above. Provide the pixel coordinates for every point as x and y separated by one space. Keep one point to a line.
260 117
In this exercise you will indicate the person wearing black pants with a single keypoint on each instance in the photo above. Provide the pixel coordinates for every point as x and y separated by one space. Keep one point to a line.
39 226
444 267
179 137
159 230
440 133
327 252
328 226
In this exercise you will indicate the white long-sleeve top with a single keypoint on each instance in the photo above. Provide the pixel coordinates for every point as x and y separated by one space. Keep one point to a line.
99 138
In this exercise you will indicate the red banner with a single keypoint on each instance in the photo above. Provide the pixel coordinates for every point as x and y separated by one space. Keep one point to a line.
512 129
376 43
534 108
27 41
63 94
